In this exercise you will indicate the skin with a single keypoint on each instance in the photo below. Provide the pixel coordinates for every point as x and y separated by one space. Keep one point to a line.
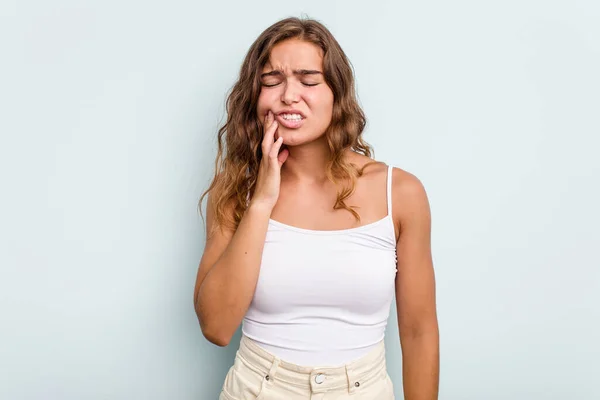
294 165
288 90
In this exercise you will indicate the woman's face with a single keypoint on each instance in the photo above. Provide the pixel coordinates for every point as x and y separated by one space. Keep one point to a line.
293 88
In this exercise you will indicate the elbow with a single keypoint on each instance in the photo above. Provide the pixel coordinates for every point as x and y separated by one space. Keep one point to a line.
213 325
213 332
420 331
215 338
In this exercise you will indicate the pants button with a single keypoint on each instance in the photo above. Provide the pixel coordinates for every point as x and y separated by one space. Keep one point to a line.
319 378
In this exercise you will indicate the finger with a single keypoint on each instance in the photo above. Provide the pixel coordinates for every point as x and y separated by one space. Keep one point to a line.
275 149
269 138
267 122
283 156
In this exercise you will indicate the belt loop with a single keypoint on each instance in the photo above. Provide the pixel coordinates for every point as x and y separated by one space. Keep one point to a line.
353 384
272 371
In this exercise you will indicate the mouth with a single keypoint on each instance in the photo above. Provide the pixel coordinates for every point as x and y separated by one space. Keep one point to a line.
290 120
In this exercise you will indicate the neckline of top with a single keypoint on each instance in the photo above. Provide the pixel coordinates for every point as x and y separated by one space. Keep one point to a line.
330 231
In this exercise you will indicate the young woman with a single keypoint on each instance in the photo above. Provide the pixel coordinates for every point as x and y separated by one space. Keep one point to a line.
309 238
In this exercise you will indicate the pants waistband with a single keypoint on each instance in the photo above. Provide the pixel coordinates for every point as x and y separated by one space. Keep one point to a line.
319 378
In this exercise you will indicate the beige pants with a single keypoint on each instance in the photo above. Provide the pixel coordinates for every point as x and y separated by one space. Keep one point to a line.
257 374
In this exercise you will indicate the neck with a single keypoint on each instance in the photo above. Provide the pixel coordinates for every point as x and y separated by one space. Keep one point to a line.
307 163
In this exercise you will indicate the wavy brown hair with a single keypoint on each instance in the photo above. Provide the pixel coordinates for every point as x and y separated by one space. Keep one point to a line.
239 139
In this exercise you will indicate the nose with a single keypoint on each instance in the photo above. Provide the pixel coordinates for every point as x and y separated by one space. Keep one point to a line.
290 94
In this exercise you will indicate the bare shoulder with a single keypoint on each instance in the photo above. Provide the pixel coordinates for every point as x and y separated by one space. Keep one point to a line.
406 185
407 189
372 168
410 203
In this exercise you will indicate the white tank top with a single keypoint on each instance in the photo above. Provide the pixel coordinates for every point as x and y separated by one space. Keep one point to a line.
323 297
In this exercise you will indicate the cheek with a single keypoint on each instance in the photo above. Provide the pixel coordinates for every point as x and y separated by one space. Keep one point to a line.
321 103
261 106
266 100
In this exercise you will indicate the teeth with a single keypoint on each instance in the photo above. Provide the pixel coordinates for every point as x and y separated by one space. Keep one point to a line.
291 117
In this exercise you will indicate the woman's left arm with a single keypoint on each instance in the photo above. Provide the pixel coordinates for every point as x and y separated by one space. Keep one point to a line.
415 290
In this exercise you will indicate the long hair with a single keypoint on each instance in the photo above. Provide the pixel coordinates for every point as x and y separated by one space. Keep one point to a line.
239 139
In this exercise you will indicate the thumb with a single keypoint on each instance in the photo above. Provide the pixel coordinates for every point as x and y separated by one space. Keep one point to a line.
283 156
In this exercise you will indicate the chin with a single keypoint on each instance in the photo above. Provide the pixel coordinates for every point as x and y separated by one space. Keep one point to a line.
298 141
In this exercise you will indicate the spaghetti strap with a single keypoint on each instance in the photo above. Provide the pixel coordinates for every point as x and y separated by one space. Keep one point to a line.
389 189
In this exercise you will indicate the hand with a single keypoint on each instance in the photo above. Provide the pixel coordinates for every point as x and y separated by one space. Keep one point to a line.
269 171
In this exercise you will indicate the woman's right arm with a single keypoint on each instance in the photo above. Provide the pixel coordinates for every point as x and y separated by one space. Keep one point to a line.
229 268
228 274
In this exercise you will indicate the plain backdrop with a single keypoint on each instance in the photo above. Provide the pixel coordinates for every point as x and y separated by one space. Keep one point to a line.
109 112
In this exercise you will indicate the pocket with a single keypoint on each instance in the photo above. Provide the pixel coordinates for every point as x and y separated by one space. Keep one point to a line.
243 383
377 386
225 396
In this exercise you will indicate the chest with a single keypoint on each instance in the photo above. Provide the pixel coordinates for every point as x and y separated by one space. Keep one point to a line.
353 272
312 207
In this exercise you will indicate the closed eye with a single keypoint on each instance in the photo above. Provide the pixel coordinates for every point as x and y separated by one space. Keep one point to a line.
305 84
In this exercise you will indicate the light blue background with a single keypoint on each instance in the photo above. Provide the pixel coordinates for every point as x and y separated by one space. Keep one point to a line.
108 122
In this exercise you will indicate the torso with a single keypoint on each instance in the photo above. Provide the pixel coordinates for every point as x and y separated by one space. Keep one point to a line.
311 208
326 281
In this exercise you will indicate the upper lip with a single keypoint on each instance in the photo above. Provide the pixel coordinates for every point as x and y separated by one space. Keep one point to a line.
291 111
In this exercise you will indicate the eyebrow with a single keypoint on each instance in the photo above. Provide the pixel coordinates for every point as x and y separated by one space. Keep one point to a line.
302 72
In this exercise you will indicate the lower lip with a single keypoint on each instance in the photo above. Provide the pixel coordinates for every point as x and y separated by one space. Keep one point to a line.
291 124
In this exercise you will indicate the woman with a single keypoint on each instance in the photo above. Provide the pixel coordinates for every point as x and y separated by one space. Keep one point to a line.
308 238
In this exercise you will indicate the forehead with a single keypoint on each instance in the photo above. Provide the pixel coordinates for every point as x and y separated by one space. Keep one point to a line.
293 54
